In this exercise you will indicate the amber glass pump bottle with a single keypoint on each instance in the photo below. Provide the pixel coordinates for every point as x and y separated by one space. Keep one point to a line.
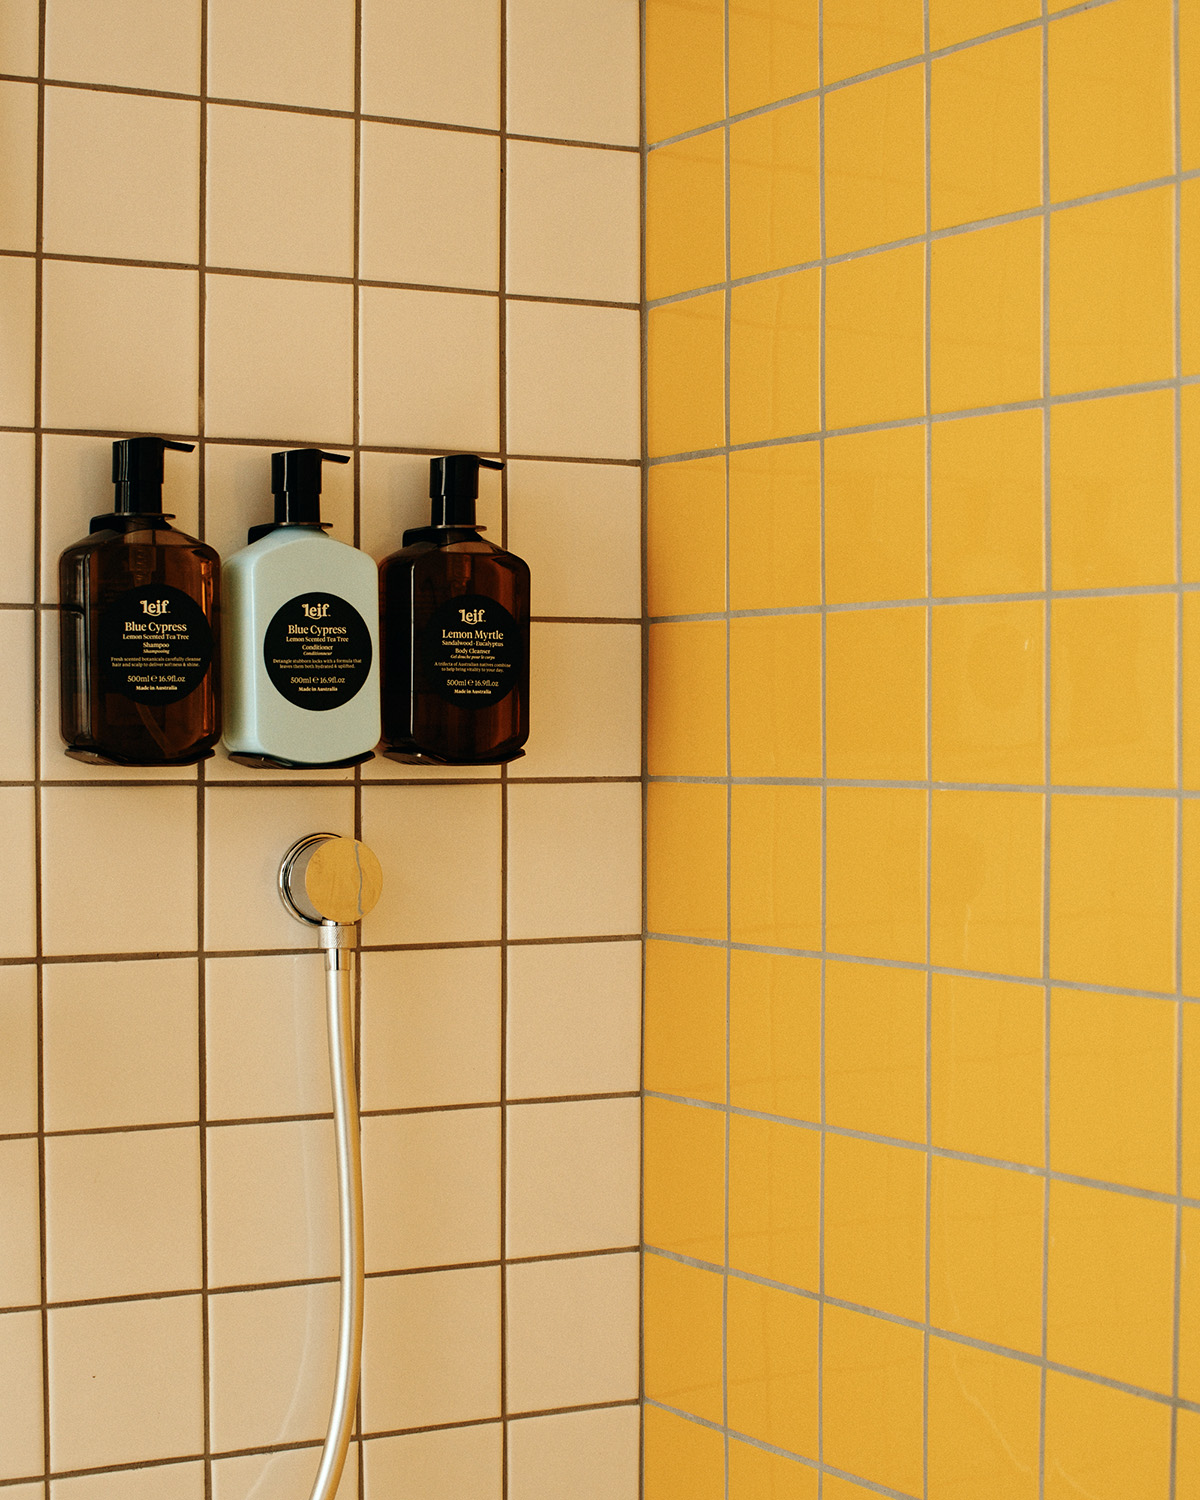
454 628
138 657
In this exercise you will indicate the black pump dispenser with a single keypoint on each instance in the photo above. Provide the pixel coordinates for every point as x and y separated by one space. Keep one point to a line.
296 485
137 471
454 487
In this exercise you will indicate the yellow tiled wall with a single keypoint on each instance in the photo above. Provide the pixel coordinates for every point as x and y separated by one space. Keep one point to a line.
254 225
922 1052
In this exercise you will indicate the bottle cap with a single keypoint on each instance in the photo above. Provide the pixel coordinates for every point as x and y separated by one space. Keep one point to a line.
454 487
137 471
296 484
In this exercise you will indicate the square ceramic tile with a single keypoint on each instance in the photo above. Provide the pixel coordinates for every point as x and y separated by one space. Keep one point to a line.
119 1044
277 362
17 729
142 44
17 881
20 1231
573 381
18 1050
585 701
573 222
574 1018
20 1394
394 495
125 1382
143 839
161 1482
430 370
430 206
431 1349
423 62
574 74
572 1332
450 893
121 176
280 191
440 1465
271 1360
120 348
16 362
589 1455
574 862
578 526
308 62
16 560
18 172
432 1188
122 1214
272 1206
266 1050
574 1173
248 831
279 1476
430 1028
19 25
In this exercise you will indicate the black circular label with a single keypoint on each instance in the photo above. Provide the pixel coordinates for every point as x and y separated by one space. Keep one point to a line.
470 651
155 644
317 651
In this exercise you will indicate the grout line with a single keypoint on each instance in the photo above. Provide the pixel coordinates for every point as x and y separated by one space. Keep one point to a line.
823 562
644 705
727 379
505 809
927 335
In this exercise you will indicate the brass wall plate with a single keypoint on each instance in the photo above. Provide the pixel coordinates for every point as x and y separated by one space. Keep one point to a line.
343 880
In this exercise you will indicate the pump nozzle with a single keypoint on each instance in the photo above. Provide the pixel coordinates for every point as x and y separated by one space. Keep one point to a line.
454 487
137 471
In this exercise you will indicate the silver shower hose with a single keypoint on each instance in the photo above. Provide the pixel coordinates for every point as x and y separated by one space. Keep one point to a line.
336 941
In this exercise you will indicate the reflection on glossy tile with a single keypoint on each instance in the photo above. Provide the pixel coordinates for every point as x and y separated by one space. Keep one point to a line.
772 1366
685 215
686 837
775 866
875 693
872 1383
874 1225
686 674
984 1424
314 67
875 863
686 352
774 165
591 1455
772 51
684 1175
774 1197
684 1337
757 1471
875 1050
684 66
683 1461
265 1045
773 360
278 1476
875 338
685 525
775 1034
774 527
685 1007
438 1465
775 695
875 546
1103 1442
875 161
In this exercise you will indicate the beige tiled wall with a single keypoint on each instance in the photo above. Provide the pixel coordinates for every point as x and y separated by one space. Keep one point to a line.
253 226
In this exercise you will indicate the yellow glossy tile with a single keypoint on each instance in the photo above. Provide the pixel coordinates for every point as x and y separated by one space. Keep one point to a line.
773 358
775 695
1112 483
1112 884
988 666
685 375
775 866
772 51
1112 1088
685 860
953 21
1189 85
775 1034
684 1165
875 516
1189 1307
774 175
683 1311
863 34
1191 905
872 1387
1105 1444
875 1225
685 537
685 215
987 504
1120 53
985 1253
875 161
1191 1101
875 693
774 1202
773 1366
834 1488
775 527
1111 292
684 1027
758 1474
986 317
1187 1452
683 1461
875 872
1189 277
985 899
685 717
1110 1287
984 1424
987 1087
1112 691
1189 438
685 65
875 338
875 1049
